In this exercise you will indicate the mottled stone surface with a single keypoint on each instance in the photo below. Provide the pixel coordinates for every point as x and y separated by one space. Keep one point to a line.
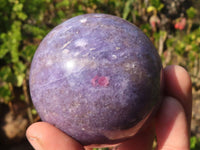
96 77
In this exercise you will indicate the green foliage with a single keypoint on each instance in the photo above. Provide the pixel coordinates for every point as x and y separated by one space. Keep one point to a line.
34 31
128 8
28 52
187 46
156 4
146 28
191 12
10 41
194 143
5 93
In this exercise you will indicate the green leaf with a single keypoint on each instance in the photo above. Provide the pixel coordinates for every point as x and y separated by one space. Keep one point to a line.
20 79
150 9
191 12
22 16
19 73
35 31
155 3
161 6
5 72
146 28
15 55
4 47
127 8
170 42
19 67
8 76
61 14
3 52
34 111
11 41
12 1
18 7
63 3
28 52
194 143
5 92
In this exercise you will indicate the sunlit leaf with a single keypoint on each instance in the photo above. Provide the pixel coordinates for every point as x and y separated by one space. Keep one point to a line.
150 8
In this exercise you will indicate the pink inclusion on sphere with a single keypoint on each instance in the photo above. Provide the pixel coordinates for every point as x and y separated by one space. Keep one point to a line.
100 80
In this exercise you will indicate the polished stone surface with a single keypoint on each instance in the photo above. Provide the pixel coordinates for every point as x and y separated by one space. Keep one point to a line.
96 77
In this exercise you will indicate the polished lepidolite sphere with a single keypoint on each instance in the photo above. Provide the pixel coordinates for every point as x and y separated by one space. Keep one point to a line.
97 78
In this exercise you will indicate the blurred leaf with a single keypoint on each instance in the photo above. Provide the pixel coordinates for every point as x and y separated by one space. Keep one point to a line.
35 31
191 12
146 28
5 92
20 79
22 97
34 111
22 16
163 33
150 9
194 143
4 47
12 1
3 52
155 3
28 52
160 7
128 8
170 42
19 72
18 7
11 41
19 67
5 72
63 3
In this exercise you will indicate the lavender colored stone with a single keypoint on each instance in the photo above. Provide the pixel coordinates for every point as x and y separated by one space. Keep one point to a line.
97 78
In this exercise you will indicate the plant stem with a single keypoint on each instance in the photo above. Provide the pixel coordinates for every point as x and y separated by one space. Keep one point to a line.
27 100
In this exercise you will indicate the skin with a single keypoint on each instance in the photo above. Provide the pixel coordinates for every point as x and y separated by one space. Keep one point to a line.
171 124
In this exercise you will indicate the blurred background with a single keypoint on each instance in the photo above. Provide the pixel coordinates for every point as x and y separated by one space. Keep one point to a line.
172 25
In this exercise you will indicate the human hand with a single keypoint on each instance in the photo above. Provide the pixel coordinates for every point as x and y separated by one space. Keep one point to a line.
171 124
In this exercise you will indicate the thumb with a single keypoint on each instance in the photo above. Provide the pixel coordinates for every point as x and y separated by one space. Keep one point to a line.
171 126
44 136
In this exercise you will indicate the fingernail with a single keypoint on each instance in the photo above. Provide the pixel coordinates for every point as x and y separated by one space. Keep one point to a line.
35 143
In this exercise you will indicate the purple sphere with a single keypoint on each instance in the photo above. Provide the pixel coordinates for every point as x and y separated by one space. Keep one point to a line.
97 78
